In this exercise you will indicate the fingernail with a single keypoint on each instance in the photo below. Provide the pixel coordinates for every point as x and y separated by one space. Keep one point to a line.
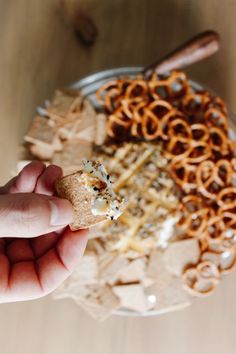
61 212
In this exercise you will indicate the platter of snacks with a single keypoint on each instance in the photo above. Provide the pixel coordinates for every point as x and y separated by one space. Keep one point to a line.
166 144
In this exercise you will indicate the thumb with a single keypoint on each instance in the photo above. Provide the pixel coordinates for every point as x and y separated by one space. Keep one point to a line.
31 215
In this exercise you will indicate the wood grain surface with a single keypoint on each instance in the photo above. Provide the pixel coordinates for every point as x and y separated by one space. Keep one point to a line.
39 53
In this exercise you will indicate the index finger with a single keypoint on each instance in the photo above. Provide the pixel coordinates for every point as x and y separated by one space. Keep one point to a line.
46 181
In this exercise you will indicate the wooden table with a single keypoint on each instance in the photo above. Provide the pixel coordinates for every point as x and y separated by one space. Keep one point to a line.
40 53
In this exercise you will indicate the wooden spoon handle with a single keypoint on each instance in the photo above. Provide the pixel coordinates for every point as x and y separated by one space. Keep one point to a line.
197 48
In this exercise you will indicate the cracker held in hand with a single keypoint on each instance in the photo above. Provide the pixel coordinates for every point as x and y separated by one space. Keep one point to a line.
90 192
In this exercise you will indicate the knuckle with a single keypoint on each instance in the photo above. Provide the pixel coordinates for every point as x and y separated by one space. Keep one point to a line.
28 213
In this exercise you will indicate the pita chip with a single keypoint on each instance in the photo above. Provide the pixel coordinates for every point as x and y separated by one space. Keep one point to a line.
87 134
87 270
134 272
156 265
73 151
88 114
109 271
43 139
40 132
41 152
70 187
63 103
90 192
180 254
100 307
133 297
167 292
108 299
168 297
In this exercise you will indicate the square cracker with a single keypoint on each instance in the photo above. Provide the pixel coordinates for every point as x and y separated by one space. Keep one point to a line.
70 158
111 266
133 297
134 272
42 152
169 297
87 270
100 306
180 254
71 188
40 132
63 103
167 290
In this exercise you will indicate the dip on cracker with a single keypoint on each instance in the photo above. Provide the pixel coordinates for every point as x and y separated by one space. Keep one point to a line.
91 194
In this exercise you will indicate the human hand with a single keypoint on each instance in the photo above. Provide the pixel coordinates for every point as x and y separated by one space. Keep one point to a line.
37 249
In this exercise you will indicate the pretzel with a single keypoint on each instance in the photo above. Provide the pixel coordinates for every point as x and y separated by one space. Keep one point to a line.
166 121
228 218
232 149
219 104
138 113
194 220
224 171
194 103
178 148
105 88
224 243
184 174
206 179
179 127
152 116
150 125
196 223
199 151
111 98
200 132
137 88
191 203
160 108
214 117
212 177
205 273
192 151
225 261
219 140
215 226
129 105
227 198
171 87
117 121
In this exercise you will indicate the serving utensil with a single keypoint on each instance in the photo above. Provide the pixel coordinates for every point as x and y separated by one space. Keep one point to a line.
194 50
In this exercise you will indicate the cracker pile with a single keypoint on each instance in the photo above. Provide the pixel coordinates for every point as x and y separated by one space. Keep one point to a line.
63 132
106 281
